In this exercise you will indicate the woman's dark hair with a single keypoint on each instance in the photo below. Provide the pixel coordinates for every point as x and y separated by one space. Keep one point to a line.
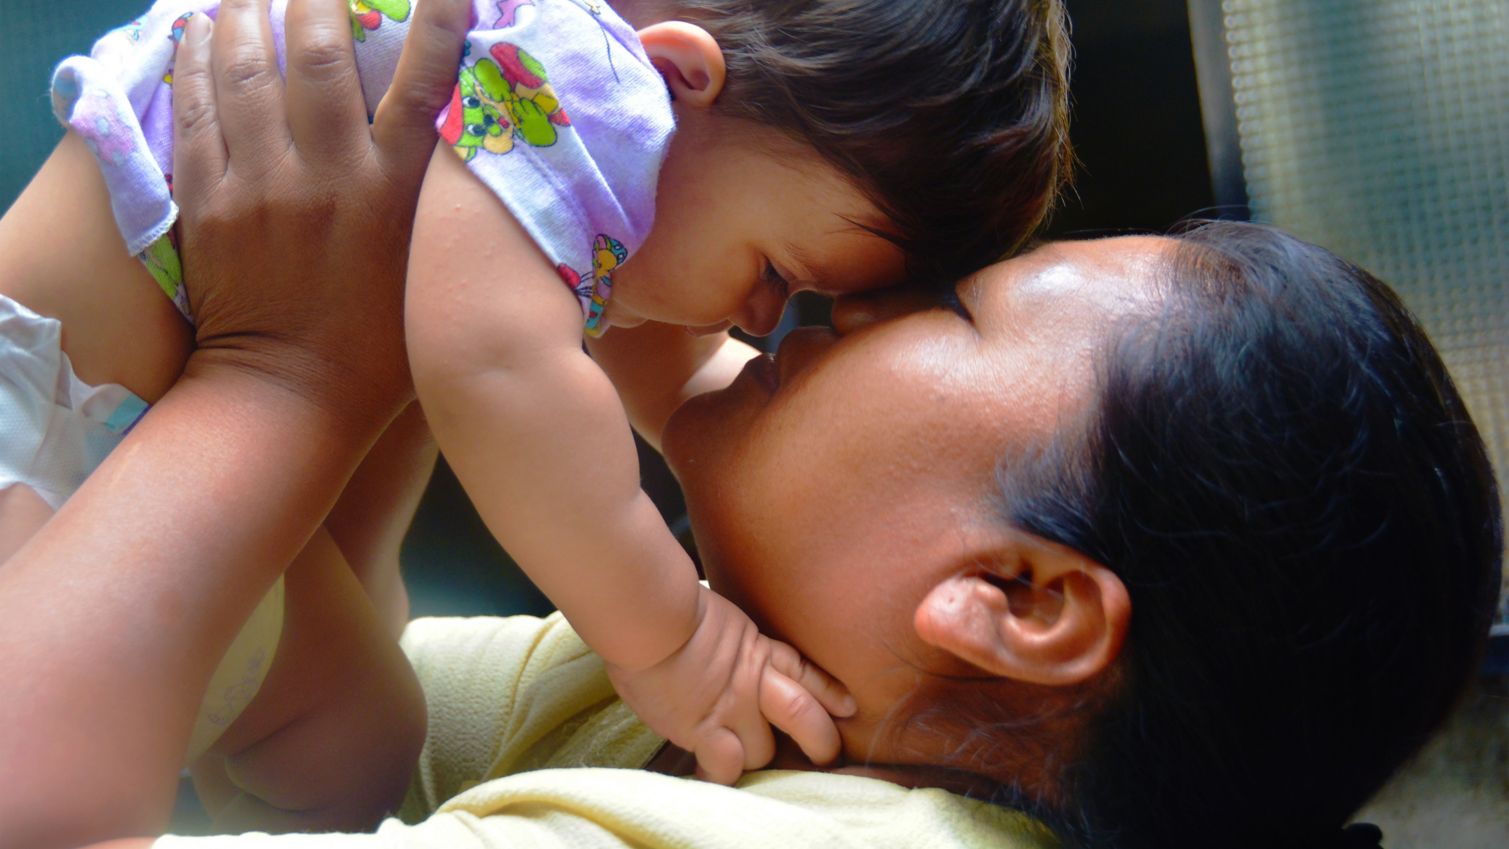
950 115
1283 474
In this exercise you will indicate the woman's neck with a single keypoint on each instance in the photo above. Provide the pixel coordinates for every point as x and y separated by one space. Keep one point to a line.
671 760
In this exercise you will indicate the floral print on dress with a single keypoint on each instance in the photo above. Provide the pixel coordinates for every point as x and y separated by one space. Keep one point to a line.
500 100
595 288
508 12
368 15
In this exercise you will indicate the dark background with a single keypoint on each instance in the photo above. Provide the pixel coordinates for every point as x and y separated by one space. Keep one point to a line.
1142 166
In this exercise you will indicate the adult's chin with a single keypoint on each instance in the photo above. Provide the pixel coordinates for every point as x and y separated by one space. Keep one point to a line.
703 435
698 449
684 442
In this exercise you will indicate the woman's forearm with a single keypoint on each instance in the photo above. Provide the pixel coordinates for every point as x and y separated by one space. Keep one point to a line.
114 615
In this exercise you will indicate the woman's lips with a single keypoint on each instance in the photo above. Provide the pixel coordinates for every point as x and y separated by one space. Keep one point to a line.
763 370
799 349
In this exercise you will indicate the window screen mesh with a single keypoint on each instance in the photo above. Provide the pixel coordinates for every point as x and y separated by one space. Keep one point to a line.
1380 129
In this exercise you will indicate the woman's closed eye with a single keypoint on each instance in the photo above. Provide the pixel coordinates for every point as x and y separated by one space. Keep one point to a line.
949 299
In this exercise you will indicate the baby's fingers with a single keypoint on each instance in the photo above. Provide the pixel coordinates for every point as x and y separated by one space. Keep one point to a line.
720 756
797 712
809 676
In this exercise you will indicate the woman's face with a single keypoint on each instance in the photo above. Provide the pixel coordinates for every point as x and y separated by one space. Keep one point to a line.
830 488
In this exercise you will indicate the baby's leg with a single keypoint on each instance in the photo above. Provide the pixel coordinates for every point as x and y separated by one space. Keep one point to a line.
332 737
62 256
22 513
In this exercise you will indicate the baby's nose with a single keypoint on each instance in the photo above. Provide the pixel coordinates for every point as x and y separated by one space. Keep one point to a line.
851 312
762 320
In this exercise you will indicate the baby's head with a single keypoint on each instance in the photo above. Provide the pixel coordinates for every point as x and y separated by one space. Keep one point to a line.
840 145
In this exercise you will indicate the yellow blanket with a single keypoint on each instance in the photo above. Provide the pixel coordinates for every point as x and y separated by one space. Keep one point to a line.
528 747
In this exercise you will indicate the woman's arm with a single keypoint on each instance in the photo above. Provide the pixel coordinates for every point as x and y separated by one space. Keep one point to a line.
300 366
176 536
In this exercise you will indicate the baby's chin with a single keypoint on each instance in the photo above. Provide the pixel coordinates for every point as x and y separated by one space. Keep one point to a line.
709 329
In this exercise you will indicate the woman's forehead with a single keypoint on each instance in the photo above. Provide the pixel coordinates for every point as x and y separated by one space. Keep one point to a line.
1112 275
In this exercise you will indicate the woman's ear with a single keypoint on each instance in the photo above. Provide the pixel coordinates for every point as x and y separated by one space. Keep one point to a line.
1043 614
689 58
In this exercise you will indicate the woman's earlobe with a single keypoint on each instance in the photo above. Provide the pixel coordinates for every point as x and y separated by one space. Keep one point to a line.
1059 620
689 59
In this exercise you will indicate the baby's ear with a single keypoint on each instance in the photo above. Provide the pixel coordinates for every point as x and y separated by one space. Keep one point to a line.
689 58
1036 612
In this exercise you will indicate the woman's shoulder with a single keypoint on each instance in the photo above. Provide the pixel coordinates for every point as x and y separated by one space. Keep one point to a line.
613 808
509 695
875 812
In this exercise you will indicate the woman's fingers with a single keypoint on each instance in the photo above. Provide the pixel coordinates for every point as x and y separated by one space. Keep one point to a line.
794 710
198 146
326 113
404 127
248 88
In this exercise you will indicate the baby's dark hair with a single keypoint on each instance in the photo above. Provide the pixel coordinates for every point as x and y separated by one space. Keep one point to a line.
1281 471
950 115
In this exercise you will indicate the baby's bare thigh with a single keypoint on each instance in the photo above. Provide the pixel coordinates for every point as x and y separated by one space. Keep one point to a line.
331 739
62 256
22 514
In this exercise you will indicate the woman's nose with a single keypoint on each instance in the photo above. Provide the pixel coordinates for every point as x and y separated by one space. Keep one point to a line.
852 312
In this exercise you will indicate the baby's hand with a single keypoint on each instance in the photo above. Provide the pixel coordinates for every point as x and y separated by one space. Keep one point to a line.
718 695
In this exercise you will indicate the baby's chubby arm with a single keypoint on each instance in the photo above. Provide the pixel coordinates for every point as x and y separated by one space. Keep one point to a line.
533 428
540 440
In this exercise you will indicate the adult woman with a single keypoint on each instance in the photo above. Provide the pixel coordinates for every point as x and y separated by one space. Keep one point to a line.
1241 437
1130 535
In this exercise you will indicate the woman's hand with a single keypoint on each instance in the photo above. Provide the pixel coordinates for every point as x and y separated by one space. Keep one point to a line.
295 213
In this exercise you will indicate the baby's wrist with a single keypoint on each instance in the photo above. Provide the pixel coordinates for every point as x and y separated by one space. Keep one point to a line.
670 636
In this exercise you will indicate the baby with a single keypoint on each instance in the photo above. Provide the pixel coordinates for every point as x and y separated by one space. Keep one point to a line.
694 165
749 209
